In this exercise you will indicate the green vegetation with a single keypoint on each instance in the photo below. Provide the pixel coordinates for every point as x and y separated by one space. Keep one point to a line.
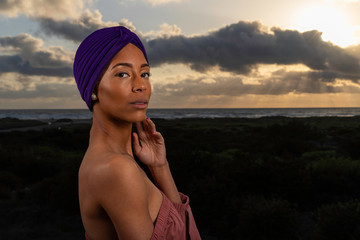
258 179
38 183
8 123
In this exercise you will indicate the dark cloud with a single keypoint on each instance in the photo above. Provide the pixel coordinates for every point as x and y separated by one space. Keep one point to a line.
237 48
9 6
28 57
45 90
66 29
16 64
59 9
240 47
280 82
77 29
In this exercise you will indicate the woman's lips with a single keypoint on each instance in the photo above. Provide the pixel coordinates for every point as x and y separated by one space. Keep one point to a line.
139 104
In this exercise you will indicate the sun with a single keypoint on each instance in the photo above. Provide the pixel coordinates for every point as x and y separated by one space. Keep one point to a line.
330 21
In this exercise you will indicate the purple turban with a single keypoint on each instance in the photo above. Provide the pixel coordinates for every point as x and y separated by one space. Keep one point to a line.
95 53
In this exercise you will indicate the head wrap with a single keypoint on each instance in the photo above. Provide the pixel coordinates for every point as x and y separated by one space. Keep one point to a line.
95 53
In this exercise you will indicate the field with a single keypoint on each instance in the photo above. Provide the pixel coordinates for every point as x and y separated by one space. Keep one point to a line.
268 178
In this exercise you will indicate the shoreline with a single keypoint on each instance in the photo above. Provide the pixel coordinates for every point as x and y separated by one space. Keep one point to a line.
56 114
15 124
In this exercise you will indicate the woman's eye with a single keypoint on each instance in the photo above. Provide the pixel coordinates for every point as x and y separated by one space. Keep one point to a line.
122 74
145 75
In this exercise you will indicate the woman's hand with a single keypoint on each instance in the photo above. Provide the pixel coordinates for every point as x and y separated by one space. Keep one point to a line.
149 145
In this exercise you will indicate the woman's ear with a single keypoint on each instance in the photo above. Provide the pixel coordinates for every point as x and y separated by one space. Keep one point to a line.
94 96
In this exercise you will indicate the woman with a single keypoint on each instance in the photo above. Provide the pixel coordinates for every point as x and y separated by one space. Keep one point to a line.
117 199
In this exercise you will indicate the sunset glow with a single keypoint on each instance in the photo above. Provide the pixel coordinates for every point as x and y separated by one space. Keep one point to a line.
329 20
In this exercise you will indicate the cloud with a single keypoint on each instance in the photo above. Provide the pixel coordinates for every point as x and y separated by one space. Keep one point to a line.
293 82
59 9
275 81
165 31
240 47
19 91
226 62
236 48
159 2
26 55
346 1
14 85
77 29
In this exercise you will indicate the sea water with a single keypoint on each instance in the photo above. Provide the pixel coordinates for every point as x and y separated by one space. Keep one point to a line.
176 113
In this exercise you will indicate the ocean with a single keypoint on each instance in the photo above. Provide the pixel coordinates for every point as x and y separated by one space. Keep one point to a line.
43 114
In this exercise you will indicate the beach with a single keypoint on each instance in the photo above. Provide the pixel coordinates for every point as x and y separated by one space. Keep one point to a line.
247 178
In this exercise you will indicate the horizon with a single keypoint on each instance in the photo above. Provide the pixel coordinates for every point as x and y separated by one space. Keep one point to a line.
19 109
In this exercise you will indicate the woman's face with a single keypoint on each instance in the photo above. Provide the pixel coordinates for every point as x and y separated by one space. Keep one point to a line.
124 90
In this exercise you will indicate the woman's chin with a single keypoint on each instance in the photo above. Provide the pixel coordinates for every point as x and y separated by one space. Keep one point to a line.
140 116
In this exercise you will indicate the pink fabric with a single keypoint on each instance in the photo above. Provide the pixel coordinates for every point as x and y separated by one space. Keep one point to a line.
175 221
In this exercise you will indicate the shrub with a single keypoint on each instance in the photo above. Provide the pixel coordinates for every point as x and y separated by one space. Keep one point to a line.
335 179
8 183
260 219
340 221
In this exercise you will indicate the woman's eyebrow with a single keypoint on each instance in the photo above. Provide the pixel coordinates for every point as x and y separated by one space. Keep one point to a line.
122 64
129 65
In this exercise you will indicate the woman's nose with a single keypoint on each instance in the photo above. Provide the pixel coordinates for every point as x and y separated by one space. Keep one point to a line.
139 85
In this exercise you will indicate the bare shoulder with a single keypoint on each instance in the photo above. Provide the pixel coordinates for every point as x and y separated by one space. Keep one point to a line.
117 185
116 171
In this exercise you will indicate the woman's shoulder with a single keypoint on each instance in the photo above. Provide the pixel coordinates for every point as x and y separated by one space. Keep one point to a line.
116 169
117 181
117 187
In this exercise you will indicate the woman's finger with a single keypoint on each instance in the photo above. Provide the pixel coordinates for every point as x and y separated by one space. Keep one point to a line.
159 138
140 129
150 125
146 125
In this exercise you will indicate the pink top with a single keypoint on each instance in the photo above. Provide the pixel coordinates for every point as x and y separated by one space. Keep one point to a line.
175 221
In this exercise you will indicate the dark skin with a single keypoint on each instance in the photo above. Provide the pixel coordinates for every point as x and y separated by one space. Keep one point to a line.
117 200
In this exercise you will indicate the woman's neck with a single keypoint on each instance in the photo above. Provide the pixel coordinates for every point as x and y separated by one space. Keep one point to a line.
115 135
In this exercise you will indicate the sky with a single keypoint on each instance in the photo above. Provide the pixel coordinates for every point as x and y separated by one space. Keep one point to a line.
202 53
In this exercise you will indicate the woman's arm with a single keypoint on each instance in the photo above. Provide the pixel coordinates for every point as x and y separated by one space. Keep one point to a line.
149 146
164 180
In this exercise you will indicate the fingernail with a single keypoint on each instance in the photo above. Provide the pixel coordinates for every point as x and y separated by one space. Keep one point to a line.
153 131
